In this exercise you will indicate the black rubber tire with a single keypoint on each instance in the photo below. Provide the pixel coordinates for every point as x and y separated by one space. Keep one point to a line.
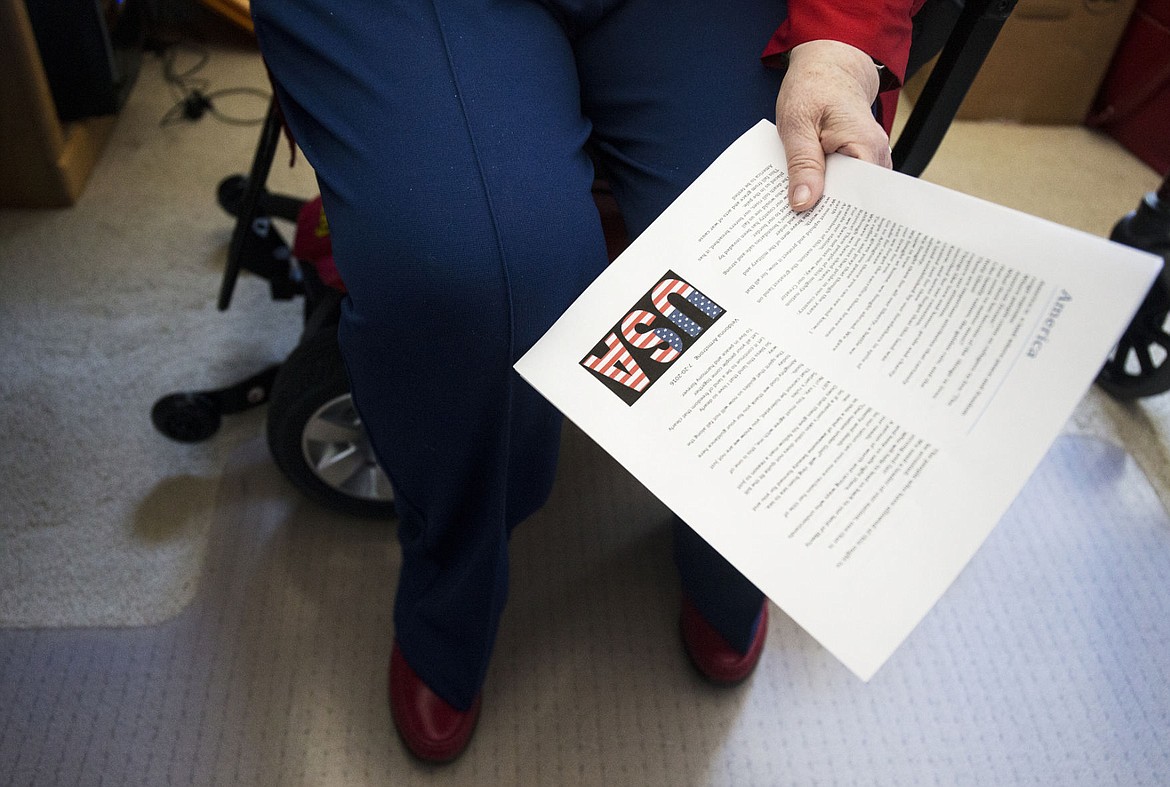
1139 365
186 417
312 377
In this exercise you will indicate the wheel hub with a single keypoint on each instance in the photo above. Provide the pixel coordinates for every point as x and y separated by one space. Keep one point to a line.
338 451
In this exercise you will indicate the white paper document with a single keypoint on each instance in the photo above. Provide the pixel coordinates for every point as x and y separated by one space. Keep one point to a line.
842 402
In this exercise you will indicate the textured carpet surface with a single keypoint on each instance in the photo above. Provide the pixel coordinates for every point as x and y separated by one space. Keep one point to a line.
1045 663
107 306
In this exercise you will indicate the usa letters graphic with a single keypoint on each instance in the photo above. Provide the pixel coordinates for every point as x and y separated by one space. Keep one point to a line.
660 327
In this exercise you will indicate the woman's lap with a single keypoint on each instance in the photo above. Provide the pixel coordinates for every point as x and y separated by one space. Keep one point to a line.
449 143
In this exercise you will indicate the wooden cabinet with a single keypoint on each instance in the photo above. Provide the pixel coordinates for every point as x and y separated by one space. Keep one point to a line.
43 162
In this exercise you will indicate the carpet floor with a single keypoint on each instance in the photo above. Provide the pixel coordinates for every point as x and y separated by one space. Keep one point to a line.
1043 664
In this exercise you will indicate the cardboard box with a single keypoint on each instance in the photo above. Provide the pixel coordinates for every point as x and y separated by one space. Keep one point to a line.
1047 63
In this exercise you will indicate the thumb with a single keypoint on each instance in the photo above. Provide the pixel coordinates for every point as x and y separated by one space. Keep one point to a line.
806 167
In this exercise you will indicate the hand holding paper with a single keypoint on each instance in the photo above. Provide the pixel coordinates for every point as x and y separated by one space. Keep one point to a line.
824 106
844 401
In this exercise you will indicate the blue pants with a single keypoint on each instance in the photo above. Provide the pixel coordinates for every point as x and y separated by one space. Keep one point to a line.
449 140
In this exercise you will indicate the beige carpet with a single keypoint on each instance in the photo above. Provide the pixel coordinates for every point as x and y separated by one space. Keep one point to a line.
1044 664
108 305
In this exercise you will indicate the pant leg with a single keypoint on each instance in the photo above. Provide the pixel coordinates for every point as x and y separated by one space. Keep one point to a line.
448 142
669 87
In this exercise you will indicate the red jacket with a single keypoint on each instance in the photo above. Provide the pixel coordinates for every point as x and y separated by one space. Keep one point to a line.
880 28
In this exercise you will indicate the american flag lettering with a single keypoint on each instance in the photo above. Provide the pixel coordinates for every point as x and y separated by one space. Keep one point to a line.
618 364
639 349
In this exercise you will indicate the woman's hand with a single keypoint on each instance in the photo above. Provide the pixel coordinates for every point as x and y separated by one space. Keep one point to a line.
824 106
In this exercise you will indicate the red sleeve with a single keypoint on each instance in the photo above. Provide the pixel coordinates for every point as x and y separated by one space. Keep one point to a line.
880 28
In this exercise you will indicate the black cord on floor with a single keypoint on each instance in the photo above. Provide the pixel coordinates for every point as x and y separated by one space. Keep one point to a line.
193 99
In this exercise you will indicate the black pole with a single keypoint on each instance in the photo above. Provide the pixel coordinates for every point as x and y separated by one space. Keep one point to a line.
254 188
959 62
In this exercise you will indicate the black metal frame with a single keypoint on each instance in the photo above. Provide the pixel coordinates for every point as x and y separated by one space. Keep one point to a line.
968 45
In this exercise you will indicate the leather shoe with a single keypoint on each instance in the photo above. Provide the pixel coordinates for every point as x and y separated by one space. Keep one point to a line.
432 730
710 652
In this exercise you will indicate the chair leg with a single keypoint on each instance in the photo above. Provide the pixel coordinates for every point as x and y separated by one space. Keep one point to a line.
958 64
261 165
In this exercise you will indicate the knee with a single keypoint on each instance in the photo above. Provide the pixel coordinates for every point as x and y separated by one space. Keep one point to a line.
465 269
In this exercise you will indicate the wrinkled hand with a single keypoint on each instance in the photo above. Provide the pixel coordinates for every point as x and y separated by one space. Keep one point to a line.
824 106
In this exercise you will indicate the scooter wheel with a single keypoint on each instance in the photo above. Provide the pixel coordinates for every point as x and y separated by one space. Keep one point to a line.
316 436
186 417
230 193
1139 365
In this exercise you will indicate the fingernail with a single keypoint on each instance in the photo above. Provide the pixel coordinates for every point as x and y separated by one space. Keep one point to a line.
800 195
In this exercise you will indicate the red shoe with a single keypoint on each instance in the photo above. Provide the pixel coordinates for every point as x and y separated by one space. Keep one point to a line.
433 730
712 655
